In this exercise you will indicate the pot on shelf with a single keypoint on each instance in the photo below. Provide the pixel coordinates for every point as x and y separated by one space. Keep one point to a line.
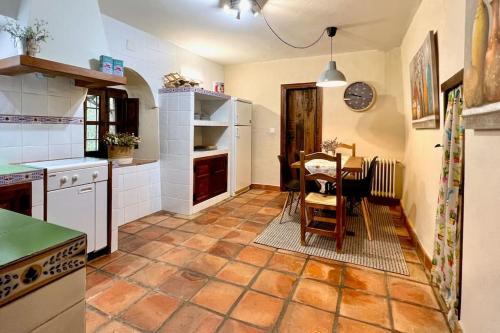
29 47
121 154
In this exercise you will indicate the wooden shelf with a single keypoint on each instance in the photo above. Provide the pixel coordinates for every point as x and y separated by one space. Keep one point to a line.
22 64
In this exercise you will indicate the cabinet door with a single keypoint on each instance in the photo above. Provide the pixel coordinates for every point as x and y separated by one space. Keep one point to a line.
218 180
16 198
202 175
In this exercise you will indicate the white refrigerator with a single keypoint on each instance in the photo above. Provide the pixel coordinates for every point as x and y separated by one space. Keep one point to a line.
242 146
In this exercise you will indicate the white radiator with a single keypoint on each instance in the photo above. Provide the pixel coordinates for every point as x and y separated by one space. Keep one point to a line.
387 177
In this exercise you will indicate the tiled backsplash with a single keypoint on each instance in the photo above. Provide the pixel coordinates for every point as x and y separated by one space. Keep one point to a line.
40 118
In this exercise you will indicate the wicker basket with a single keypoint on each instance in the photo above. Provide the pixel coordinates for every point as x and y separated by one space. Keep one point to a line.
121 154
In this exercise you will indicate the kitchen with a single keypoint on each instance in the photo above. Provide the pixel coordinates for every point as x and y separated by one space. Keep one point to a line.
140 188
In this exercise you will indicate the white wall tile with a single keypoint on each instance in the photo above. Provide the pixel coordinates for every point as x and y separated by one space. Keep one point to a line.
10 83
77 150
34 105
58 106
37 212
143 209
129 181
37 192
10 102
11 155
10 135
34 84
130 197
131 213
77 133
142 178
35 153
35 134
59 151
58 86
142 193
60 134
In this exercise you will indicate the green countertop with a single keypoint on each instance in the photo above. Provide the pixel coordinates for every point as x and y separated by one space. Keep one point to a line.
22 236
9 169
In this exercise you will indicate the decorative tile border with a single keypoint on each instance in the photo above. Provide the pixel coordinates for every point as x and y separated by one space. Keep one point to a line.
22 177
193 89
35 272
19 119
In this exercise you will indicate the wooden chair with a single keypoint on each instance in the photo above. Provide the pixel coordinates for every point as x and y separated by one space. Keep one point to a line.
346 146
360 189
322 214
292 186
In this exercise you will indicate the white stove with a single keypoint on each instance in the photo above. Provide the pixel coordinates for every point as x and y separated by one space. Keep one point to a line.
77 196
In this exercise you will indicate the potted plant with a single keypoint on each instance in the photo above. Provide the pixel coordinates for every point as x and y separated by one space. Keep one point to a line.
28 38
121 147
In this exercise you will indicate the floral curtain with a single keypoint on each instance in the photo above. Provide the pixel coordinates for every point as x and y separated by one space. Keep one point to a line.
446 258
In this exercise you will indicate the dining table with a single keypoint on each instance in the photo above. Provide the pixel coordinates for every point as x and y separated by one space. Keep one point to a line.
351 164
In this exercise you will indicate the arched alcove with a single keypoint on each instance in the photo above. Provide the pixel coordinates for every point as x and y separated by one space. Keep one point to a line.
138 87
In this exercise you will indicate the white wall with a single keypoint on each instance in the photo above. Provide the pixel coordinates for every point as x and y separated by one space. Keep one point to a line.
151 58
481 267
423 161
379 131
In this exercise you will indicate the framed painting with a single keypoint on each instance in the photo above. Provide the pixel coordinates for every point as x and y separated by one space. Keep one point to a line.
482 65
424 85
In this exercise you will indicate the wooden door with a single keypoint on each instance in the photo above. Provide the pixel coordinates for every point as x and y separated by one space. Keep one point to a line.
218 181
301 123
202 174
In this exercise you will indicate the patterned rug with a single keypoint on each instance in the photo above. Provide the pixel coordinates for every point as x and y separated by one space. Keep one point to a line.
383 252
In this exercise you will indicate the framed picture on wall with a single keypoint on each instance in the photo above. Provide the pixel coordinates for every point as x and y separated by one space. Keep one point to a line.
424 85
482 65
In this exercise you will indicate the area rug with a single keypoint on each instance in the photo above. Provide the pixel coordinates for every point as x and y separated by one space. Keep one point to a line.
382 252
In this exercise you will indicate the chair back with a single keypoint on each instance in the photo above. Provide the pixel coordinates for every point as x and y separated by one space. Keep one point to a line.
371 169
305 176
347 146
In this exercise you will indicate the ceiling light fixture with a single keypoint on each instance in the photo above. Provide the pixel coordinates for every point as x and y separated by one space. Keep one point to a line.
237 7
331 77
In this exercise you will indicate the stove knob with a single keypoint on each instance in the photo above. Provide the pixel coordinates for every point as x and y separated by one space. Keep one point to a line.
64 180
74 178
95 174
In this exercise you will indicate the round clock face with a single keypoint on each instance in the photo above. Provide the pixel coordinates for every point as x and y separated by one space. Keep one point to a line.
359 96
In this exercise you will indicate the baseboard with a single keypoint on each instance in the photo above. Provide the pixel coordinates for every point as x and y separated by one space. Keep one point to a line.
265 187
424 257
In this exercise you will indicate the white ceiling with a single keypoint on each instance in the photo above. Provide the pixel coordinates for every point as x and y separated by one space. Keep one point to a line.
202 27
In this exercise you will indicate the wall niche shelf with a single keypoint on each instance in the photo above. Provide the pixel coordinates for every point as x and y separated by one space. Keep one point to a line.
87 78
193 178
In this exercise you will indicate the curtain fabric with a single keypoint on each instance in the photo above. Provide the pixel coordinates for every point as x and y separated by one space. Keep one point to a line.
446 258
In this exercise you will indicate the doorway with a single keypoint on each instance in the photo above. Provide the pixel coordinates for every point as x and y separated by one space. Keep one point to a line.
301 124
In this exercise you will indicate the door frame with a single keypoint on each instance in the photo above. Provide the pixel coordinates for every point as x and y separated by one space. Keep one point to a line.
319 118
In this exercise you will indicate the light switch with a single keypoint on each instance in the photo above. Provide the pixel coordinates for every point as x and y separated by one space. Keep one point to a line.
272 130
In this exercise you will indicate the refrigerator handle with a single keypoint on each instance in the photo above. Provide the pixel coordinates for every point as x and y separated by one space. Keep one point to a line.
237 132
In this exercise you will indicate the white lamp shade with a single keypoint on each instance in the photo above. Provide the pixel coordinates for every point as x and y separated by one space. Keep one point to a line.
331 77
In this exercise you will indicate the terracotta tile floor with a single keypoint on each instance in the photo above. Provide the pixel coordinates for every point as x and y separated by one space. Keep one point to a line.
202 275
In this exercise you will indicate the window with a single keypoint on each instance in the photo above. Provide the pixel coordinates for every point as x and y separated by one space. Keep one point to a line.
108 110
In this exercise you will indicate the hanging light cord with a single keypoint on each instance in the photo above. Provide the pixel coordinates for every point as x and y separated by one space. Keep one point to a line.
284 41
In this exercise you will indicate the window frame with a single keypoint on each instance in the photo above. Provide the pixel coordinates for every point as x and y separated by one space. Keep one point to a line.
103 113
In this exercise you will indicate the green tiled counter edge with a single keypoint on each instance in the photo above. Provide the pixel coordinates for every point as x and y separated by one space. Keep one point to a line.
22 236
12 169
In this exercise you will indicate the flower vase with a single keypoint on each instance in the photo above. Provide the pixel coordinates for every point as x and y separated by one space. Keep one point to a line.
121 154
29 47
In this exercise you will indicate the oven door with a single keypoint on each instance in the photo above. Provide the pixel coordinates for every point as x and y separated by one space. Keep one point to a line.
74 208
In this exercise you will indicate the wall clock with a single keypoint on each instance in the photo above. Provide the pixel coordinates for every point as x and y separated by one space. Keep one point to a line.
360 96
